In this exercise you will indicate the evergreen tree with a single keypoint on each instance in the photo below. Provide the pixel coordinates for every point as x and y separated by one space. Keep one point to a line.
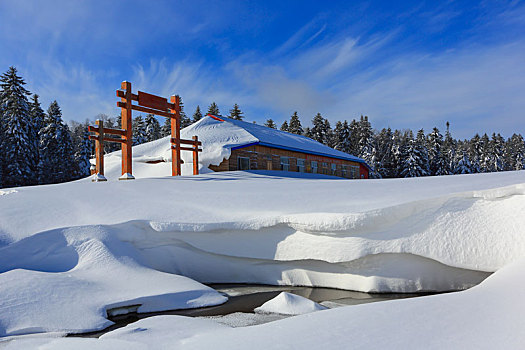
213 109
184 120
411 160
82 147
485 161
284 126
463 164
197 115
20 154
165 129
342 137
321 131
387 163
497 147
516 152
56 149
421 141
475 150
37 115
235 112
355 136
270 124
295 126
449 151
152 125
437 161
139 131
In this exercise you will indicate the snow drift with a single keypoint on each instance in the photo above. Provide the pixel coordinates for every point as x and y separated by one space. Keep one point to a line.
289 304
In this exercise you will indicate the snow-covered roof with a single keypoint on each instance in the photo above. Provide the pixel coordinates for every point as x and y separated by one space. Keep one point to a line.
234 134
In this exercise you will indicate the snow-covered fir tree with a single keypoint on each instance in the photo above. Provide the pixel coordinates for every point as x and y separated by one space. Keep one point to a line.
515 152
354 137
411 165
321 131
437 160
421 144
342 136
213 109
270 123
475 151
197 115
284 126
386 164
295 126
82 148
497 149
152 125
485 157
185 121
463 163
235 112
449 151
139 131
20 152
37 115
56 149
165 129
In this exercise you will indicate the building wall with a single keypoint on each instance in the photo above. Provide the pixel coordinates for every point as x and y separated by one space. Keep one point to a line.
267 158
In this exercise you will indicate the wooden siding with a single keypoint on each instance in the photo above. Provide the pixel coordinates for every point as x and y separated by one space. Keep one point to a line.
267 158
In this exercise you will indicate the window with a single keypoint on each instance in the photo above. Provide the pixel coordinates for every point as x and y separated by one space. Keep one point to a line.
334 168
243 163
285 163
314 167
343 170
354 172
300 165
325 168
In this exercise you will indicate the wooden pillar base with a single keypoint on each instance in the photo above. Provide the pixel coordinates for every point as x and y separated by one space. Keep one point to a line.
98 178
127 176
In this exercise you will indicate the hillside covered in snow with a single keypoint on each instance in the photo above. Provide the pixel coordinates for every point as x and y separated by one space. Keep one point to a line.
74 252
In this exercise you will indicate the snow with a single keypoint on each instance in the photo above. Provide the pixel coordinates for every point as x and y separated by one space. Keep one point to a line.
67 279
74 252
488 316
289 304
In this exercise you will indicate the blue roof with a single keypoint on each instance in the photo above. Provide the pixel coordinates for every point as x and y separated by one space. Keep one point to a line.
287 141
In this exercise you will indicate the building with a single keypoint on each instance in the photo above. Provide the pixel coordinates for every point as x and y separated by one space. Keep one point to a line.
256 147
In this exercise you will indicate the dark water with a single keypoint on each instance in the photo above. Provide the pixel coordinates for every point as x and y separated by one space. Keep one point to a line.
245 298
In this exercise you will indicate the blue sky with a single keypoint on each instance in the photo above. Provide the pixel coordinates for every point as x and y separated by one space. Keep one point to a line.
404 64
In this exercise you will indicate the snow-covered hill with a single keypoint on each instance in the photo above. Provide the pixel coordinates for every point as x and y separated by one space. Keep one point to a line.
70 252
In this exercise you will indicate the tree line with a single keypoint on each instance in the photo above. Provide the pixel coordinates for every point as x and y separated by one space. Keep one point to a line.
38 147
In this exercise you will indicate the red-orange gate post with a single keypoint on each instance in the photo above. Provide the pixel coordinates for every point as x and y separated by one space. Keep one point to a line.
100 138
146 103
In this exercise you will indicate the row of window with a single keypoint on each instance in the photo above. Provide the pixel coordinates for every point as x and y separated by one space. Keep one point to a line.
349 171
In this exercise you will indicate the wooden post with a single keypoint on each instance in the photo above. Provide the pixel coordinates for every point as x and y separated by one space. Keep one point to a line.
99 152
175 133
195 155
125 114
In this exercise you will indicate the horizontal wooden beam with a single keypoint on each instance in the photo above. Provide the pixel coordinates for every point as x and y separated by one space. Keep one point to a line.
118 132
122 94
147 110
106 139
186 148
185 142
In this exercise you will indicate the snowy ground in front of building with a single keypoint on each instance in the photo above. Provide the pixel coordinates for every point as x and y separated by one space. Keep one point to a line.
71 252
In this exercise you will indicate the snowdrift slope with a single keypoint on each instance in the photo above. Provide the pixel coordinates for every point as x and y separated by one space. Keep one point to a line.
95 246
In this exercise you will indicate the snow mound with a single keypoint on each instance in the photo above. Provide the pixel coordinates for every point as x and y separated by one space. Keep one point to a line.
289 304
67 279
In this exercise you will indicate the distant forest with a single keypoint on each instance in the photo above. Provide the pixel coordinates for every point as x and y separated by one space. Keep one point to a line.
38 147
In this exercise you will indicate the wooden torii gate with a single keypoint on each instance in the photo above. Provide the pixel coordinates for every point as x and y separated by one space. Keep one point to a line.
146 103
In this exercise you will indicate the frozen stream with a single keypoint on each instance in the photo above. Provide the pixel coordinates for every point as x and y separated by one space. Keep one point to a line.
244 298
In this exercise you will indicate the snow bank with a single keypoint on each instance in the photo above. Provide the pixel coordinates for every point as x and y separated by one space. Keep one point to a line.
488 316
67 279
289 304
